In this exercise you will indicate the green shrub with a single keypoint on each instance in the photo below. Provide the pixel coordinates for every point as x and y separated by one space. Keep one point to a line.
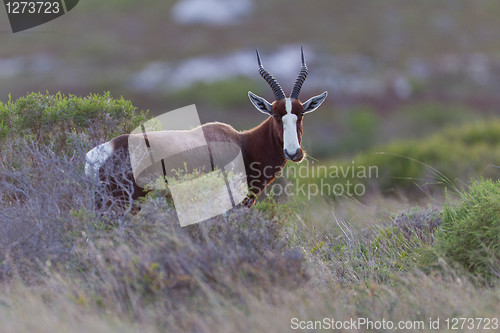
470 234
55 118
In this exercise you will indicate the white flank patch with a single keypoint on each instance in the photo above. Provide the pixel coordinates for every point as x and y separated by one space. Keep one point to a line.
290 139
96 158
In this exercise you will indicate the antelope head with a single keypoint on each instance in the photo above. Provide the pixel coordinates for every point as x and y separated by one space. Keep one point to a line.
287 112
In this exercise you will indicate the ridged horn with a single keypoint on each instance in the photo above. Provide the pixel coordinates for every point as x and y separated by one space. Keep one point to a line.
301 78
273 83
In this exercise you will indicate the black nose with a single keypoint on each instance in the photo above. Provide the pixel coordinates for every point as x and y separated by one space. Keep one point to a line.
291 156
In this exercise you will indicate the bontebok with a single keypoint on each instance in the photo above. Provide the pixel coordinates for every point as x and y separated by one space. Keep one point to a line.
265 148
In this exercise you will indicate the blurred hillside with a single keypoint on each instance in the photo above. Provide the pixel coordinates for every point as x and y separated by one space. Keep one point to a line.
393 69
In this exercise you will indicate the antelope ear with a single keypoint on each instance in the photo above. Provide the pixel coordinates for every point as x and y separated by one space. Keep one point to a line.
314 102
260 103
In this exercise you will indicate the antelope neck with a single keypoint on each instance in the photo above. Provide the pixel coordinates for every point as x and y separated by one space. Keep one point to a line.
262 153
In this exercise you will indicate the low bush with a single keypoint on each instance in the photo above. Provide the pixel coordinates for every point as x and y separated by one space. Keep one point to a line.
470 234
421 223
38 191
373 254
60 119
155 262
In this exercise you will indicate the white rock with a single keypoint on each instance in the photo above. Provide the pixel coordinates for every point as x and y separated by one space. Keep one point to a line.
211 12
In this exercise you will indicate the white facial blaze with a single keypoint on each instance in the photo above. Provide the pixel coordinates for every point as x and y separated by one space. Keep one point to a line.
290 138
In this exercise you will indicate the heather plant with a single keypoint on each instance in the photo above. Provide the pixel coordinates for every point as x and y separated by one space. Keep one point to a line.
38 191
155 262
418 222
49 217
375 253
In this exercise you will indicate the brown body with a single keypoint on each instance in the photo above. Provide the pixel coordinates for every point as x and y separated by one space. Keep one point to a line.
260 146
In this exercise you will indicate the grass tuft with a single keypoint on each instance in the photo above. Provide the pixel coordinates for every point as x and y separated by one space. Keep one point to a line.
470 235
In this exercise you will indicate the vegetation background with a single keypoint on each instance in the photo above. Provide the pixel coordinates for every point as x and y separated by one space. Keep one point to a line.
412 90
